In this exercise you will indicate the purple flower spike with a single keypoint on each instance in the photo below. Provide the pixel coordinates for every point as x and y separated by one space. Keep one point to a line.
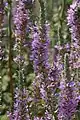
68 100
74 27
20 111
40 51
20 20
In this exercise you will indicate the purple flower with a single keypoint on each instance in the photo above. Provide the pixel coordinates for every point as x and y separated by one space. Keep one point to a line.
68 100
74 27
20 19
45 81
20 111
40 51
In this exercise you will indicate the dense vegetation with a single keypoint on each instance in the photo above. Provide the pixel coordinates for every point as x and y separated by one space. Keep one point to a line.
39 60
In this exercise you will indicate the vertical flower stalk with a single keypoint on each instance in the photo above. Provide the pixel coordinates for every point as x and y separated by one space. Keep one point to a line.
39 63
40 57
20 111
74 27
39 52
68 94
68 100
20 18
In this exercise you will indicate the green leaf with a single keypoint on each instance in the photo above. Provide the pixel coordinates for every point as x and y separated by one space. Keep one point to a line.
6 78
4 117
5 81
69 1
7 97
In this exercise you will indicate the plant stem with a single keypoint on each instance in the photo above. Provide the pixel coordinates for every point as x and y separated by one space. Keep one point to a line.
10 50
42 12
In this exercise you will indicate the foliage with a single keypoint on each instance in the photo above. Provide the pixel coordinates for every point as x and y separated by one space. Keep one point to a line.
39 65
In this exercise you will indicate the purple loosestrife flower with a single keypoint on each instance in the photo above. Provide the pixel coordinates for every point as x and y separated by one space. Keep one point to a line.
40 52
74 27
20 20
40 57
20 111
68 100
44 87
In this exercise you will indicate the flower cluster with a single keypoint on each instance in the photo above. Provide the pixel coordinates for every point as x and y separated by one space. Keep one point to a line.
46 77
68 100
20 111
49 81
20 20
74 24
68 92
40 52
68 89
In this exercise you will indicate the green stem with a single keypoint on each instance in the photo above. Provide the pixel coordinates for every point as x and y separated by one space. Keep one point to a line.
10 50
62 16
42 12
67 70
21 67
